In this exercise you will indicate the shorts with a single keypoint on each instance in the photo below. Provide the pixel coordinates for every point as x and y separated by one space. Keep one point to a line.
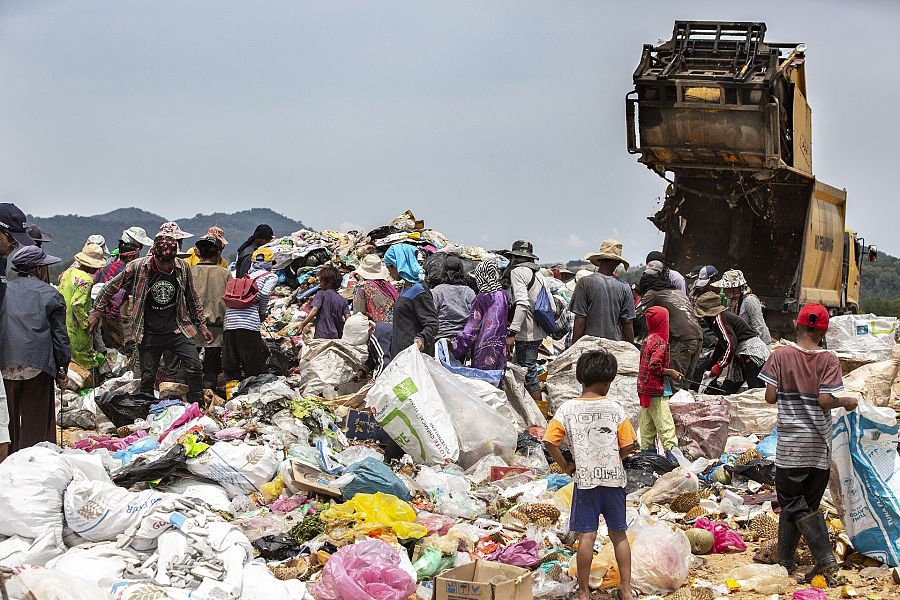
588 505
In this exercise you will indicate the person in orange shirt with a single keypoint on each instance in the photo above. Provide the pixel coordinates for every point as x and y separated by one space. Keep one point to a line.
597 431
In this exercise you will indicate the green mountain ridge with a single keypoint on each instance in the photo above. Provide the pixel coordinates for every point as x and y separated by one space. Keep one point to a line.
69 232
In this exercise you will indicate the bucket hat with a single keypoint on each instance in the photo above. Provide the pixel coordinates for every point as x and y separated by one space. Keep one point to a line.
39 236
91 256
609 250
211 239
731 279
371 267
521 248
172 230
136 235
217 232
581 274
12 222
27 258
708 305
100 241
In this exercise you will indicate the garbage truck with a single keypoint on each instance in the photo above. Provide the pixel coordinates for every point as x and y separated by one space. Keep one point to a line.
722 114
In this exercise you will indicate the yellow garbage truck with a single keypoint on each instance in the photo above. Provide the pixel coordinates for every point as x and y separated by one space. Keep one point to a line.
722 115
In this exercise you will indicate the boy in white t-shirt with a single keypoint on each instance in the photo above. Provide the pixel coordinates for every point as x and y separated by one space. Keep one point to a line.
600 435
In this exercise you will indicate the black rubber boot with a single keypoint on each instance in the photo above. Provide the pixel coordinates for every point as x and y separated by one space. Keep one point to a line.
788 540
815 532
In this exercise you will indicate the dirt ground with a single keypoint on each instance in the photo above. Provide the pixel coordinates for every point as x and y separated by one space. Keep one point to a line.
717 566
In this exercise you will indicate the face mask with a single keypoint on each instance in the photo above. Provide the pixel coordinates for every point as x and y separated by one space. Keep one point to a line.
165 250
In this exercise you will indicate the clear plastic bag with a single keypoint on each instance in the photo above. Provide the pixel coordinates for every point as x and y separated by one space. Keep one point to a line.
764 579
661 559
670 486
545 587
368 570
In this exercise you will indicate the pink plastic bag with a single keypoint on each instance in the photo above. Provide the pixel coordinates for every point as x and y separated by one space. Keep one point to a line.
809 594
724 539
435 524
523 554
368 570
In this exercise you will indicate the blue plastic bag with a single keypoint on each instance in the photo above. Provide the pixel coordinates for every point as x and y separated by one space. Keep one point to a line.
766 447
370 476
454 366
556 481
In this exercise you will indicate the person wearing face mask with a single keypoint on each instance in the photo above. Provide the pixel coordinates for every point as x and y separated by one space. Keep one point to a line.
167 310
34 348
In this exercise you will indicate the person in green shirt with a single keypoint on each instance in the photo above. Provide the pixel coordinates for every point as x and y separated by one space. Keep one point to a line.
75 285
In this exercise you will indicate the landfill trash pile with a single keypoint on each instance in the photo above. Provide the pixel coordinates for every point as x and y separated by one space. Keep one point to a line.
303 483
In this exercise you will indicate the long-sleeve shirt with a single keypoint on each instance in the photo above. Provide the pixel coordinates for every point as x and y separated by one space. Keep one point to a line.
485 332
414 318
75 286
752 312
454 305
731 331
654 361
251 318
524 297
683 326
136 279
34 327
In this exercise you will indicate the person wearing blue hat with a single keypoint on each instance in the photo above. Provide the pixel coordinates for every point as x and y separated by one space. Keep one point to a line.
34 348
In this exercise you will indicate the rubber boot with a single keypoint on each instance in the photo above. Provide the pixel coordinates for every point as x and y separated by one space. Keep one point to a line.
815 532
195 388
788 540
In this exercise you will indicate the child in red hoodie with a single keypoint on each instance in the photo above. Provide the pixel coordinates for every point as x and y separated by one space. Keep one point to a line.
653 390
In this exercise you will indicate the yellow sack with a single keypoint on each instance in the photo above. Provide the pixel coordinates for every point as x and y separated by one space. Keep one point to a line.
372 512
563 497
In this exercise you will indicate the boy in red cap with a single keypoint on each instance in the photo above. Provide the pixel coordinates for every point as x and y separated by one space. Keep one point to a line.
802 379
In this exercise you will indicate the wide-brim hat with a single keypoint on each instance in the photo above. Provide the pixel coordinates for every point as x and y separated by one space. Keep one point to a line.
37 235
372 267
708 305
91 256
217 232
521 248
609 250
172 230
730 280
29 257
136 235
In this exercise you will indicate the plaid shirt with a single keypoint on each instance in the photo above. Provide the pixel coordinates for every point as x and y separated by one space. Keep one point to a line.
136 279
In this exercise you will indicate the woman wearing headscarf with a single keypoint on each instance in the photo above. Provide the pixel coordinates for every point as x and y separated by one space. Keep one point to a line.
34 349
415 318
262 235
744 303
685 334
453 299
375 295
739 348
485 330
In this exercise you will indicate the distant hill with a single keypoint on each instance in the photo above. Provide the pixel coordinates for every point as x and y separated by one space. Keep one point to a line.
70 231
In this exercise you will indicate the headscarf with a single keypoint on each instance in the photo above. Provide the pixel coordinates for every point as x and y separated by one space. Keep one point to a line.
262 231
403 257
658 322
164 249
655 278
487 276
262 259
454 271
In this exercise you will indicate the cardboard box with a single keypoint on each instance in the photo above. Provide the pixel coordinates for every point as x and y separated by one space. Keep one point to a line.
483 580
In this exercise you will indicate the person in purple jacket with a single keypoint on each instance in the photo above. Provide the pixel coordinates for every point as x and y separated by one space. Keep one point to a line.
485 331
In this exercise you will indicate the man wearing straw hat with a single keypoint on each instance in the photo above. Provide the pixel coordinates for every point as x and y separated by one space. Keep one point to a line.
602 303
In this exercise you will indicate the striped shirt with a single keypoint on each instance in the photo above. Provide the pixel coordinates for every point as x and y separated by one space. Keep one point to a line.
804 427
251 317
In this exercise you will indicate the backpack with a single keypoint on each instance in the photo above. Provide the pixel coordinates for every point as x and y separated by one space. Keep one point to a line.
549 312
241 292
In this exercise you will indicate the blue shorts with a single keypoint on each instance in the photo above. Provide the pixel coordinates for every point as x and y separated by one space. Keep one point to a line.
588 505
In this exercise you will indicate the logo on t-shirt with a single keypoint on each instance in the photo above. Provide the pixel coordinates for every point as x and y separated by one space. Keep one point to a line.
163 292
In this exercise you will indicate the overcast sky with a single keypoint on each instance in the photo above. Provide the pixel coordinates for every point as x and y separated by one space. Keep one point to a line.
492 120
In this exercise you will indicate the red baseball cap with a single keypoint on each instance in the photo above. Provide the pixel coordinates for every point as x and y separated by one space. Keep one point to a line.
815 316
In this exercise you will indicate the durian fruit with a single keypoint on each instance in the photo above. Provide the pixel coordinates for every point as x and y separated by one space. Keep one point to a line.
701 593
533 513
694 514
767 553
556 572
746 457
685 502
683 594
555 468
764 526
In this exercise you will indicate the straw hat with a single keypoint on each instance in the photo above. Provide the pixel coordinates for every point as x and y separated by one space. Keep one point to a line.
708 305
609 250
731 279
371 267
91 256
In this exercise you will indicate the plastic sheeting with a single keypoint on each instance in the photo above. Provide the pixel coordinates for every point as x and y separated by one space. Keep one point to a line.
866 337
